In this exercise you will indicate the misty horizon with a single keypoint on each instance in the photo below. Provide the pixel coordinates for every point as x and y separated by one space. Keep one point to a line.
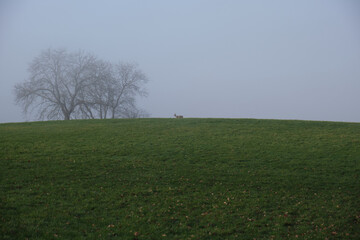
203 59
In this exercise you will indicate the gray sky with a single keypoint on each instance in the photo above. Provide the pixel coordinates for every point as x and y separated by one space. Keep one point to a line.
232 59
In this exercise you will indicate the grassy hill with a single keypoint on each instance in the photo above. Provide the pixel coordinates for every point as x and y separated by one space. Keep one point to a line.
180 179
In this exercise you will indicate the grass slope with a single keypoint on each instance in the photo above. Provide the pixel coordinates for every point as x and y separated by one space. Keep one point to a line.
180 179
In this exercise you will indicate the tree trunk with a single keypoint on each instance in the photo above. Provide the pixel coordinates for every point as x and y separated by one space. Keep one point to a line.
113 113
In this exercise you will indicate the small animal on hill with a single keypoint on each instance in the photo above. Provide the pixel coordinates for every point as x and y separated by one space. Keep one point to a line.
178 116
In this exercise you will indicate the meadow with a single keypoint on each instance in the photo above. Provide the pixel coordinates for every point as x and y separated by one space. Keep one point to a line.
180 179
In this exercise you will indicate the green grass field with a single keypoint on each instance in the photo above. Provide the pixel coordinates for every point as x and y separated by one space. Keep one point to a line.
180 179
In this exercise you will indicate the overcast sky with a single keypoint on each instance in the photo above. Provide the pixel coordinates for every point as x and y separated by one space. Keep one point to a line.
229 59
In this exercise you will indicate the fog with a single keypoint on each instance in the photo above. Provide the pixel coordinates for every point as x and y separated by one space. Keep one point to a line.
208 59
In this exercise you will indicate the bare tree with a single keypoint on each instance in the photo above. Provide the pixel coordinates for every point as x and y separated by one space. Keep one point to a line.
78 85
55 83
128 83
95 98
113 92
